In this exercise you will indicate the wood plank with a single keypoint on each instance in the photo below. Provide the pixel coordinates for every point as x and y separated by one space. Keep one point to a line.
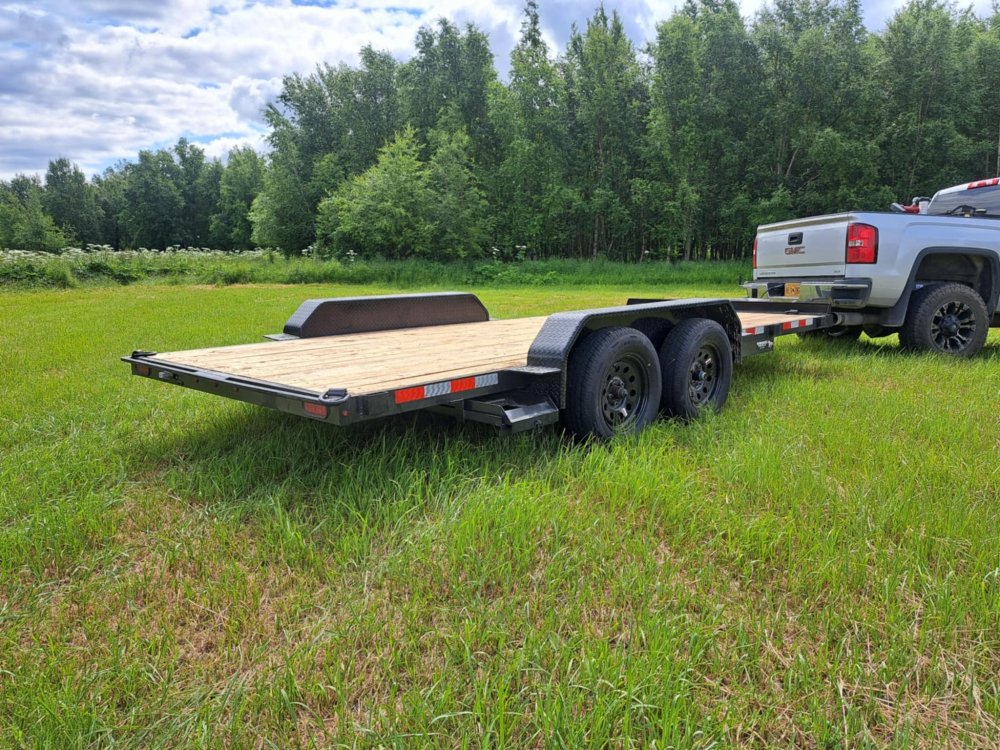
387 360
377 361
754 319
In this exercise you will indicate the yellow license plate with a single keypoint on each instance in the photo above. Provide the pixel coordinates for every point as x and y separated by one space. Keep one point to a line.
792 290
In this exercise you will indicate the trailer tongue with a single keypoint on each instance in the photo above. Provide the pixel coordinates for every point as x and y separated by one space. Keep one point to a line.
600 371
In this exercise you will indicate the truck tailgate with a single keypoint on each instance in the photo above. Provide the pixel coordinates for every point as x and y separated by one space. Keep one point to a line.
809 247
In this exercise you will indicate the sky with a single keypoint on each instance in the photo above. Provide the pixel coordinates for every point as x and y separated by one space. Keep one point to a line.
96 81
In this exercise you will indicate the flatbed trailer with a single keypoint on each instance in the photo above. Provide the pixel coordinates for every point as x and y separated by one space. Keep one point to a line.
600 371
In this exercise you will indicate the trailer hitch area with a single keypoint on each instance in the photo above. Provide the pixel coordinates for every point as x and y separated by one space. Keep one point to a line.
335 396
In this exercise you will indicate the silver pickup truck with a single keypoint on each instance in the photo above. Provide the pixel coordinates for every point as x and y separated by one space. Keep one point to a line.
929 271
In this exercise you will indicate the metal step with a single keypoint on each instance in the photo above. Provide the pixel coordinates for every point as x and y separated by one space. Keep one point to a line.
517 411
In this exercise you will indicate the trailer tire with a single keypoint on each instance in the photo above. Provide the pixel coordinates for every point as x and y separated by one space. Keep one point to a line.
613 384
947 318
654 329
696 360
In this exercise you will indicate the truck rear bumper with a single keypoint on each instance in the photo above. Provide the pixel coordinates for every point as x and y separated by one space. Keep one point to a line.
842 293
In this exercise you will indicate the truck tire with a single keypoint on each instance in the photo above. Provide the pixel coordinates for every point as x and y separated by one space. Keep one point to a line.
948 318
696 360
613 384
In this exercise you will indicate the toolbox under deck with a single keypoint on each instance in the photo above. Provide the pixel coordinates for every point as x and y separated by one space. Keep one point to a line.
365 363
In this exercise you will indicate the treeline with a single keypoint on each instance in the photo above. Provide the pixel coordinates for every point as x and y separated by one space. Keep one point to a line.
678 149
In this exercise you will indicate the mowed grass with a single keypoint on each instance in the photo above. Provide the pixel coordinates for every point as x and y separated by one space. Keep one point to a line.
818 566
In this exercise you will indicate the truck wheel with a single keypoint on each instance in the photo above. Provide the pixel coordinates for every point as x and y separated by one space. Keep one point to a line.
613 384
696 360
948 318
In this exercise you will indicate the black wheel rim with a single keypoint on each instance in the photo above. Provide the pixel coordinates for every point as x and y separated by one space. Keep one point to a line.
625 392
703 382
953 326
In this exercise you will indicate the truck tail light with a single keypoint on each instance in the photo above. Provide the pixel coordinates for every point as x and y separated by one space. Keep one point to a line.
755 251
992 182
862 243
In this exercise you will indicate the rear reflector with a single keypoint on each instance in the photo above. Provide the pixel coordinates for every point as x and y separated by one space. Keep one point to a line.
791 325
445 388
142 369
409 394
463 384
862 243
984 183
755 252
315 410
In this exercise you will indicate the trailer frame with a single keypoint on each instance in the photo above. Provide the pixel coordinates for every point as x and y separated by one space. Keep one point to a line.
513 398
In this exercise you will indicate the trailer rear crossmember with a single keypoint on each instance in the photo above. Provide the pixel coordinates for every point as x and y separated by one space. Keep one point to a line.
354 359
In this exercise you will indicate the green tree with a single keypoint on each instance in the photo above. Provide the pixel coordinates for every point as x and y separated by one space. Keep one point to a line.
451 71
24 225
985 75
71 201
109 189
926 75
363 110
530 120
385 211
283 213
608 102
673 141
242 180
197 181
457 207
154 205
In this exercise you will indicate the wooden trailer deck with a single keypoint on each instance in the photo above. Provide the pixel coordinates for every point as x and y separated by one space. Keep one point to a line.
365 363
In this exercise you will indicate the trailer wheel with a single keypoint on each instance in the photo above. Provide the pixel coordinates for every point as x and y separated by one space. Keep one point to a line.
946 318
696 360
613 384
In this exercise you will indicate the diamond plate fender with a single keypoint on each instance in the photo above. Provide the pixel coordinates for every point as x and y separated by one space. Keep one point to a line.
340 315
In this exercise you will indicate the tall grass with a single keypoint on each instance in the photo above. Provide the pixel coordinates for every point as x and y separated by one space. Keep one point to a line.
816 567
74 268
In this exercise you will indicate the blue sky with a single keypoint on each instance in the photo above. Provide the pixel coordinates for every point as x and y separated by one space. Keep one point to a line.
98 80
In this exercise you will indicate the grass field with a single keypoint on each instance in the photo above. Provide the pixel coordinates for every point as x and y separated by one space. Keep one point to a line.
818 566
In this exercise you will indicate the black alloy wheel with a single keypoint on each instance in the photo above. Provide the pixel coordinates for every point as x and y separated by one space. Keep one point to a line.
953 326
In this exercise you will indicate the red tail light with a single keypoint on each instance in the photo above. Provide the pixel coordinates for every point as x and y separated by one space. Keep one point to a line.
315 410
755 251
993 181
862 243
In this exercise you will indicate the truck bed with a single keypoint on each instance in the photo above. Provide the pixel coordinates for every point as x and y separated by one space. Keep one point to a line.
366 363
